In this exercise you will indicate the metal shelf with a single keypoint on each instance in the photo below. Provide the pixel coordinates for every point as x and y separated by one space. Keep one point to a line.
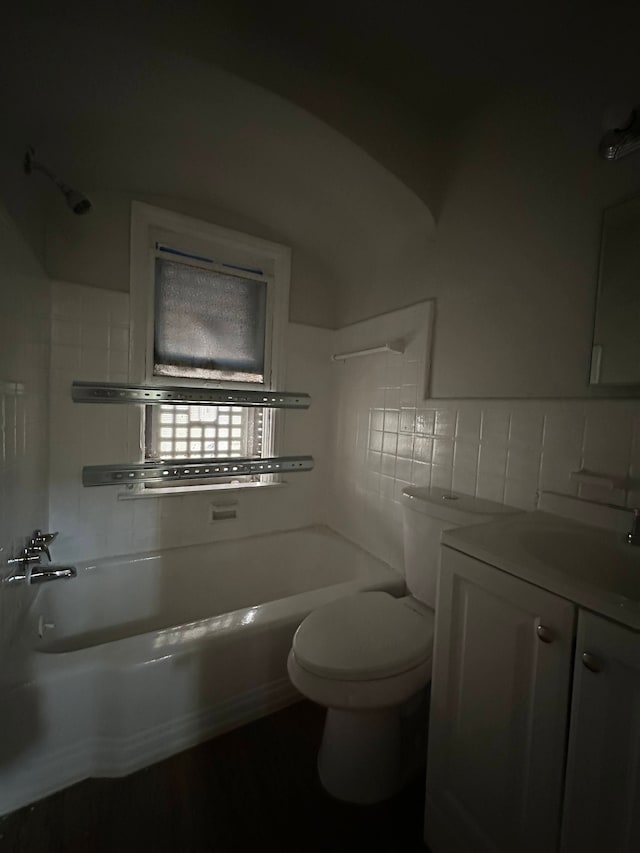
117 392
191 469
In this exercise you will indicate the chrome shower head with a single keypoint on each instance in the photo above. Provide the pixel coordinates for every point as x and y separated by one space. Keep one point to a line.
78 202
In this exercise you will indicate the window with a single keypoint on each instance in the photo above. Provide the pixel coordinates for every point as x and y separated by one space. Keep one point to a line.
213 307
198 432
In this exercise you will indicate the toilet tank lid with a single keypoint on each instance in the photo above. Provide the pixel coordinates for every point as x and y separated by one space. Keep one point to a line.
453 507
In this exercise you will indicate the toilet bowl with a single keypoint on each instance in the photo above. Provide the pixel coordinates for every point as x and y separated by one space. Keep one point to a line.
367 659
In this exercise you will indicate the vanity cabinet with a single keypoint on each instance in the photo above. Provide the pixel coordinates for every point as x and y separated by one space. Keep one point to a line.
499 708
534 740
602 792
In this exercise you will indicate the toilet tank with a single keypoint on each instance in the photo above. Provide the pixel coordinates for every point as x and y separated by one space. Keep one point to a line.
426 512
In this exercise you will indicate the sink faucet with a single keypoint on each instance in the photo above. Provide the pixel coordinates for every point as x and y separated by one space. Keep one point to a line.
633 536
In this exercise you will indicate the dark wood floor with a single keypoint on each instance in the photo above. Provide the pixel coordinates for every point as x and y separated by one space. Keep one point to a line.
255 788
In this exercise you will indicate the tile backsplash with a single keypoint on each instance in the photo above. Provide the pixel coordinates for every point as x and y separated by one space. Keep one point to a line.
388 436
370 429
90 339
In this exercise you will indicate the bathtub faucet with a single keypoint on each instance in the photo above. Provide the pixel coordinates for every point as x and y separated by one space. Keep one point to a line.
40 574
28 566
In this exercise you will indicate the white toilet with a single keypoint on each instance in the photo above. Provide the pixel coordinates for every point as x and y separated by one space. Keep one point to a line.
367 658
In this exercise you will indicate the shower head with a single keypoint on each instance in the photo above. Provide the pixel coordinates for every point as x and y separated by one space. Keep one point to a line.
78 202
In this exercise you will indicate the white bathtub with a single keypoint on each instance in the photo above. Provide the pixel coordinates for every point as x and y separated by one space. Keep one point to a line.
153 653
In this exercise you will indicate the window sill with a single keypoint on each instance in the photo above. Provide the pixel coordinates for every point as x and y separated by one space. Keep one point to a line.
169 492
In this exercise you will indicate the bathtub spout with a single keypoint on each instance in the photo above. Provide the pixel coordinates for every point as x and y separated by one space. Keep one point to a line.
42 574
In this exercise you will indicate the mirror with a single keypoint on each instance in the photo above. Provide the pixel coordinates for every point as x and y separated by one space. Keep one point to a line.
615 356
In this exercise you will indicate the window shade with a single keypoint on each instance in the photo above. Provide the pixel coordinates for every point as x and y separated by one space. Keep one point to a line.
208 325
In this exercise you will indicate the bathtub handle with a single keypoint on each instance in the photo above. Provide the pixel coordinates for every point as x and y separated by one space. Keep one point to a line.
40 542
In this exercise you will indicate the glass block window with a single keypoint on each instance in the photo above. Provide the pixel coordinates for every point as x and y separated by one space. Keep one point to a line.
208 325
199 432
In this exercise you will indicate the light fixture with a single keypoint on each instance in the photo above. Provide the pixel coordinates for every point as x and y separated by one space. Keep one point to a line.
624 136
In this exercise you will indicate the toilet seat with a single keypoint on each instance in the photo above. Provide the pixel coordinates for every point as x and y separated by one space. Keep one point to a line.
363 637
333 673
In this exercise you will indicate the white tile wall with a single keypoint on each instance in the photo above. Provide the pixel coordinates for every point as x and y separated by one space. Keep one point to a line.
24 372
90 336
369 425
387 436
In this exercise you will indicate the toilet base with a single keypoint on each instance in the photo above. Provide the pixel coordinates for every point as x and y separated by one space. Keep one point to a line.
368 756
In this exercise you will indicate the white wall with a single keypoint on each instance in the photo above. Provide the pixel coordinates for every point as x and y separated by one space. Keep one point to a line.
513 260
388 436
24 375
514 265
184 134
370 429
94 249
90 338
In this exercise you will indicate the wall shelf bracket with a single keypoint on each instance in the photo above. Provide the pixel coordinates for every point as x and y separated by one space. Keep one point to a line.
191 469
154 395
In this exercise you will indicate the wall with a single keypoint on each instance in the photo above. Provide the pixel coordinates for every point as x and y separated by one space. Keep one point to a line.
24 375
90 329
24 198
184 134
370 429
513 262
514 265
94 250
388 436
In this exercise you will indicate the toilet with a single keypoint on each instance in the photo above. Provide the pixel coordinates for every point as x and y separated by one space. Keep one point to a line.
367 658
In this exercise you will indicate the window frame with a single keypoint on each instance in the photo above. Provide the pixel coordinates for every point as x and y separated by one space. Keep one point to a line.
151 225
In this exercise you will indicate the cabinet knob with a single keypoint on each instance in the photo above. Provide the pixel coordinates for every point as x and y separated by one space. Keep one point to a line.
592 663
545 634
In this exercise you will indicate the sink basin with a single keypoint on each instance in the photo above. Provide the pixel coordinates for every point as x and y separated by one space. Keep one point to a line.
601 559
591 566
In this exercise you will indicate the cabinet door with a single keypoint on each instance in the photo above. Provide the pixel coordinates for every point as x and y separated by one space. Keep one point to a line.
499 706
602 805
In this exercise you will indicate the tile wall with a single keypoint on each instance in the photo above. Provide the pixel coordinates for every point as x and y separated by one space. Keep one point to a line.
24 375
369 428
90 339
389 436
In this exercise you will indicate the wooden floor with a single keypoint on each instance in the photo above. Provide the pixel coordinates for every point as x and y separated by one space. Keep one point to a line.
255 788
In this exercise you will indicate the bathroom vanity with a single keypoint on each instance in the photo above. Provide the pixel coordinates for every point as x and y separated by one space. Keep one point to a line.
534 734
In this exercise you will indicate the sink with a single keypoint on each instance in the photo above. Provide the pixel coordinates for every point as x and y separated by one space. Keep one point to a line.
600 558
591 566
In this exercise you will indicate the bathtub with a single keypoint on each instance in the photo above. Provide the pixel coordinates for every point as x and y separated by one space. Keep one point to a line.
142 656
